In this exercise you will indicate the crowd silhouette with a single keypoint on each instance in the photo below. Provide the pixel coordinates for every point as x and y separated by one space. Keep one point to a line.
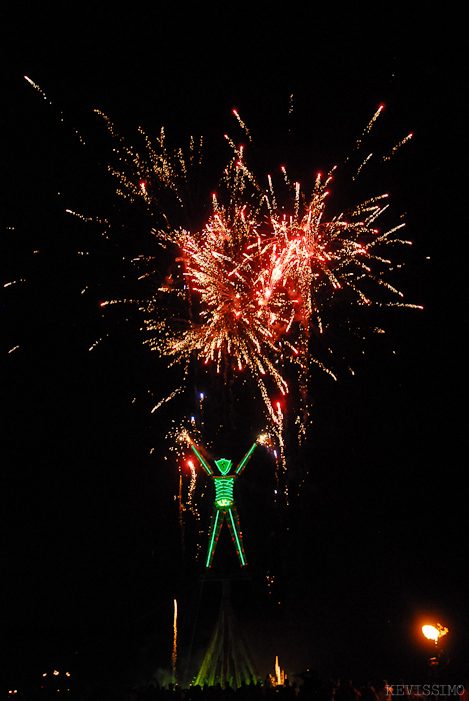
310 688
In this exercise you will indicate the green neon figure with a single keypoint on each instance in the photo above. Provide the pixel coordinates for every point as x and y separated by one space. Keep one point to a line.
224 508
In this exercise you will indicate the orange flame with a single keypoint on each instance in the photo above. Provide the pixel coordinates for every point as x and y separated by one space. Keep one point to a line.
280 676
433 633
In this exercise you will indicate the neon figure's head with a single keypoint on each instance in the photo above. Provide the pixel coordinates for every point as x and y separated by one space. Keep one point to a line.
223 465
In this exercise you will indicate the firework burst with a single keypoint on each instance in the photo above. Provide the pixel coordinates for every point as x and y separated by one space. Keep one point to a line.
259 276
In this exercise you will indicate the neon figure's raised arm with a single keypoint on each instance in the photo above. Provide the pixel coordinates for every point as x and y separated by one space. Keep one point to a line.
244 461
206 467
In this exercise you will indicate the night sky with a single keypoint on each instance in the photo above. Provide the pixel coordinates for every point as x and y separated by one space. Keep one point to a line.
377 539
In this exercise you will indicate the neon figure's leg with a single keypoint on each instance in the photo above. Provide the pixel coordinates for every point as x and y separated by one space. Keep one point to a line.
232 520
218 516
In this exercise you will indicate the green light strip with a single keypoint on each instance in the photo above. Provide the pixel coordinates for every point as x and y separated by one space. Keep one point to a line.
209 554
202 461
240 554
246 458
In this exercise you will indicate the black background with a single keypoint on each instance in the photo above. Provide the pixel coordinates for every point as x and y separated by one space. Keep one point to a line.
378 538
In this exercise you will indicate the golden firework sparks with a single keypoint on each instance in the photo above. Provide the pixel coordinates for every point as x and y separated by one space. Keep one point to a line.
254 284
